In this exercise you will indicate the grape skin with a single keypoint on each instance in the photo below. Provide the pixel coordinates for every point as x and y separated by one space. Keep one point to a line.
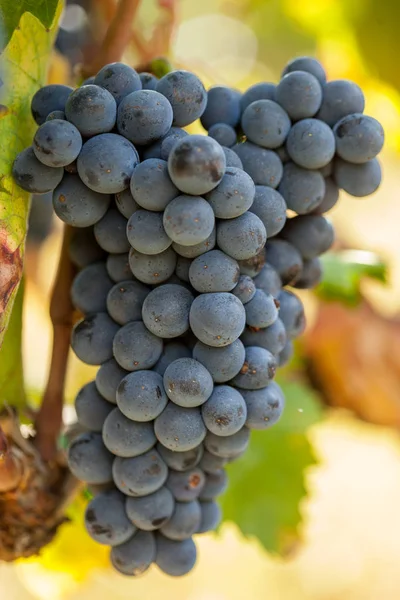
310 275
33 176
181 461
226 447
270 207
165 310
244 289
106 163
225 411
302 189
272 338
311 144
312 235
286 354
357 180
340 98
223 134
175 558
211 516
171 352
216 483
222 363
182 268
149 81
169 141
91 408
90 288
259 91
196 164
89 460
110 232
184 522
232 159
186 486
291 313
91 109
135 556
242 237
77 205
141 396
330 198
57 143
108 378
285 259
258 370
268 280
153 269
197 249
188 220
223 106
217 319
125 203
264 166
266 124
214 271
140 475
264 406
106 520
151 185
119 79
92 338
144 116
186 94
212 464
300 94
359 138
152 511
146 233
125 301
126 438
178 428
187 382
233 196
261 311
308 64
135 348
48 99
118 268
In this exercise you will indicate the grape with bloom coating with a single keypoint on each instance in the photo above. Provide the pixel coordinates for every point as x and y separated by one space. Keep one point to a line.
187 382
217 319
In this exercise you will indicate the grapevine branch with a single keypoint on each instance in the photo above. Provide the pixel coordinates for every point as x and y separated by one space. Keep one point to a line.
49 418
10 467
117 37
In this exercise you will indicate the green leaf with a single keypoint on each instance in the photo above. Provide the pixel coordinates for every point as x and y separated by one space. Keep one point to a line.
267 485
23 67
11 372
11 12
344 273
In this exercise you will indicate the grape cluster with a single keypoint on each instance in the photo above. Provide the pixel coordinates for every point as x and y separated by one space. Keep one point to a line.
187 264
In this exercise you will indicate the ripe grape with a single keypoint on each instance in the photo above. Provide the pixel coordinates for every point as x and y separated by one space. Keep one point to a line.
108 378
151 185
223 106
48 99
90 288
308 64
127 438
57 143
140 475
141 396
106 520
187 382
242 237
146 233
217 319
92 338
186 94
178 428
125 300
264 406
233 196
225 412
270 207
91 408
144 116
152 511
91 109
119 79
89 460
184 521
135 556
33 176
300 94
266 124
135 347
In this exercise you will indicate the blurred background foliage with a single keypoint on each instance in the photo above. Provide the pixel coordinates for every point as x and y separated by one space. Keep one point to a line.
312 508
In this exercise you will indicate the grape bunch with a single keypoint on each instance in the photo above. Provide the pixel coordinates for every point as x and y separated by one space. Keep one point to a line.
188 262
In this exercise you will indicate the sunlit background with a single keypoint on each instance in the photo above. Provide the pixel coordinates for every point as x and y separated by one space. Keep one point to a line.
347 544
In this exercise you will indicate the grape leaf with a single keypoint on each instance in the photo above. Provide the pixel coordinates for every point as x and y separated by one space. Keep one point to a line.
344 272
267 484
11 373
11 12
23 66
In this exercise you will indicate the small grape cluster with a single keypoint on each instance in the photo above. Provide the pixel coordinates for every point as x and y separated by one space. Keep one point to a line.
185 250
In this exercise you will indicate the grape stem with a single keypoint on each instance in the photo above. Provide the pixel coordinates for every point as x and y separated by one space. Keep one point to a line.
117 37
162 36
10 466
49 417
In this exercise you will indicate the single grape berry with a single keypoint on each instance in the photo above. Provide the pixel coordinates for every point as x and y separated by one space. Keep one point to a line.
242 237
264 406
270 206
196 164
264 166
258 91
181 461
125 300
153 269
308 64
57 143
108 378
33 176
144 116
106 520
340 98
223 134
48 99
141 396
151 185
300 94
135 556
217 319
187 382
91 408
140 475
214 271
186 94
225 411
359 138
311 143
165 310
223 106
92 338
145 232
258 369
302 189
152 511
266 124
135 347
91 109
89 459
90 288
261 310
119 79
179 429
127 438
233 195
188 220
357 180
